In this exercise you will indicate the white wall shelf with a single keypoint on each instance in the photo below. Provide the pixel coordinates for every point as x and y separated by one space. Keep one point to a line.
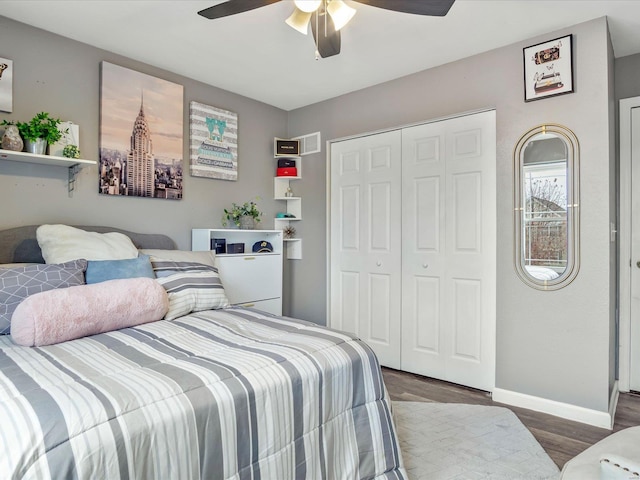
292 205
294 248
72 164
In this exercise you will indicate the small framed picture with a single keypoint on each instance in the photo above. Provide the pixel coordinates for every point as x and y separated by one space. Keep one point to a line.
548 69
6 85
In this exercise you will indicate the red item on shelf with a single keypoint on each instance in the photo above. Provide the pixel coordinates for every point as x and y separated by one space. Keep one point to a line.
287 172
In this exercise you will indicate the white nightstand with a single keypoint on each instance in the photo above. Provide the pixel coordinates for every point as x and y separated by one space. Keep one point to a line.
250 279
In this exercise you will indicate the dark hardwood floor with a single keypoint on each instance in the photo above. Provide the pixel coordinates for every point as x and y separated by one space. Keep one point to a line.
562 439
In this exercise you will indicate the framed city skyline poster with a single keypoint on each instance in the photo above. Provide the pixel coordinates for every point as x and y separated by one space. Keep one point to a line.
6 85
141 134
548 69
213 142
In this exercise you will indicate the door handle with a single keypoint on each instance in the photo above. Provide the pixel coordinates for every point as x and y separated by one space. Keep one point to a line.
638 264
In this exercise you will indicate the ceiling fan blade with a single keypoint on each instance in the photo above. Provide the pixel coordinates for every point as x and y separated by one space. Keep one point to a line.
231 7
329 44
435 8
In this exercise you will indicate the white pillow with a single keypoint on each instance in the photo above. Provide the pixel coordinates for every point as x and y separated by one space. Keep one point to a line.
62 243
206 257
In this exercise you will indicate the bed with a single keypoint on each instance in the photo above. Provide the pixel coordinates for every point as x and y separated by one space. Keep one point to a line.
228 393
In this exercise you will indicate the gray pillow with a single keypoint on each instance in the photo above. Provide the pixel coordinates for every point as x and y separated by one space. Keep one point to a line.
18 283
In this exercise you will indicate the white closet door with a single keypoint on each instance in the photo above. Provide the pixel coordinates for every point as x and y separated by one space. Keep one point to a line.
449 250
365 241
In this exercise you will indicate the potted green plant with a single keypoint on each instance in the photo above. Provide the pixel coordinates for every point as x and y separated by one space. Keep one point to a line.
243 216
40 131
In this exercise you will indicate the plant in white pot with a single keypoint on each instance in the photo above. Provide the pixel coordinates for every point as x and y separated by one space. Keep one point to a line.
243 216
40 131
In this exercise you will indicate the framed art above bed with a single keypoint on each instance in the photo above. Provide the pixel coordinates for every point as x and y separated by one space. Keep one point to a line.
140 134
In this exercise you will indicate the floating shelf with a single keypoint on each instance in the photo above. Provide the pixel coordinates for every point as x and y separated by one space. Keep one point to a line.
293 248
73 164
282 185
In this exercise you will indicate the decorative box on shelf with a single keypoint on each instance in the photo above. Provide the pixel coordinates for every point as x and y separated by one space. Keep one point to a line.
285 147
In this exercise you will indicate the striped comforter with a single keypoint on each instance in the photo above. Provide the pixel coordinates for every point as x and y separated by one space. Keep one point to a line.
219 394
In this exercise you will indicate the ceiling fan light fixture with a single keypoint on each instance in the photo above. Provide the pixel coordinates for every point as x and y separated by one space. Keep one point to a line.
299 20
340 13
308 6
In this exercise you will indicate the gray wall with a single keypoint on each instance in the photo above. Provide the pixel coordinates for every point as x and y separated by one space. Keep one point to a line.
627 77
554 345
62 76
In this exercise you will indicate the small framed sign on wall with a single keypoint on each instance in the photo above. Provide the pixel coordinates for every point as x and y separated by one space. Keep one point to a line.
548 69
6 85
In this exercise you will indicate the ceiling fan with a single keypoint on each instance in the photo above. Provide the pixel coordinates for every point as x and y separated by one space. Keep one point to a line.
327 17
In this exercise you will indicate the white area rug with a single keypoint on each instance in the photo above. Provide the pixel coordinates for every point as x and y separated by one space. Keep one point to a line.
446 441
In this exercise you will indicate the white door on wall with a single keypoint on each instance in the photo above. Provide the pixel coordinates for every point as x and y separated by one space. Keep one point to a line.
365 241
449 250
634 371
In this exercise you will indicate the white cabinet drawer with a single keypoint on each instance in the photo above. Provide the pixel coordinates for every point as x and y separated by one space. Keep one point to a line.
250 278
273 305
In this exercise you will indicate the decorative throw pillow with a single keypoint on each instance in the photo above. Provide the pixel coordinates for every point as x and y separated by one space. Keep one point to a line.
68 313
62 243
206 257
18 283
191 287
103 270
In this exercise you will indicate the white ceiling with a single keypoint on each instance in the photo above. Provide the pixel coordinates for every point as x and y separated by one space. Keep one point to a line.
257 55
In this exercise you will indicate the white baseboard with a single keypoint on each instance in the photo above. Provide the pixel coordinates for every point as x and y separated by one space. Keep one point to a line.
560 409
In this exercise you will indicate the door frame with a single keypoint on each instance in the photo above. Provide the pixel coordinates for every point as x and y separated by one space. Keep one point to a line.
624 242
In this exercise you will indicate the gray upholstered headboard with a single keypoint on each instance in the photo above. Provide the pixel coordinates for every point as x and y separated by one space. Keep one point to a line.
19 245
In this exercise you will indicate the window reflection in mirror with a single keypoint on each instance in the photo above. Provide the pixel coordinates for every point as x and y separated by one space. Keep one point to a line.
545 207
546 222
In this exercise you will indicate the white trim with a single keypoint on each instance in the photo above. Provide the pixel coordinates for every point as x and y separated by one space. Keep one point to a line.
559 409
624 242
414 124
613 403
327 229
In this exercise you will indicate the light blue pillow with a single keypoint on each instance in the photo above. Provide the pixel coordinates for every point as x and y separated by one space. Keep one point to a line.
103 270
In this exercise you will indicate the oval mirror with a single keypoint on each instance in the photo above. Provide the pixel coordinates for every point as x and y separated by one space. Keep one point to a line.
546 199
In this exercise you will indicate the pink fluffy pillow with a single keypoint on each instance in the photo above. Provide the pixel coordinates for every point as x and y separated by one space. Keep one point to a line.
66 313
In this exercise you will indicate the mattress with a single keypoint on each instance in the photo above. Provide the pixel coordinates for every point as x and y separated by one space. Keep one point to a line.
219 394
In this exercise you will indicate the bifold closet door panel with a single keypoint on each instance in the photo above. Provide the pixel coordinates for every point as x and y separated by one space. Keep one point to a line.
366 241
448 250
424 250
